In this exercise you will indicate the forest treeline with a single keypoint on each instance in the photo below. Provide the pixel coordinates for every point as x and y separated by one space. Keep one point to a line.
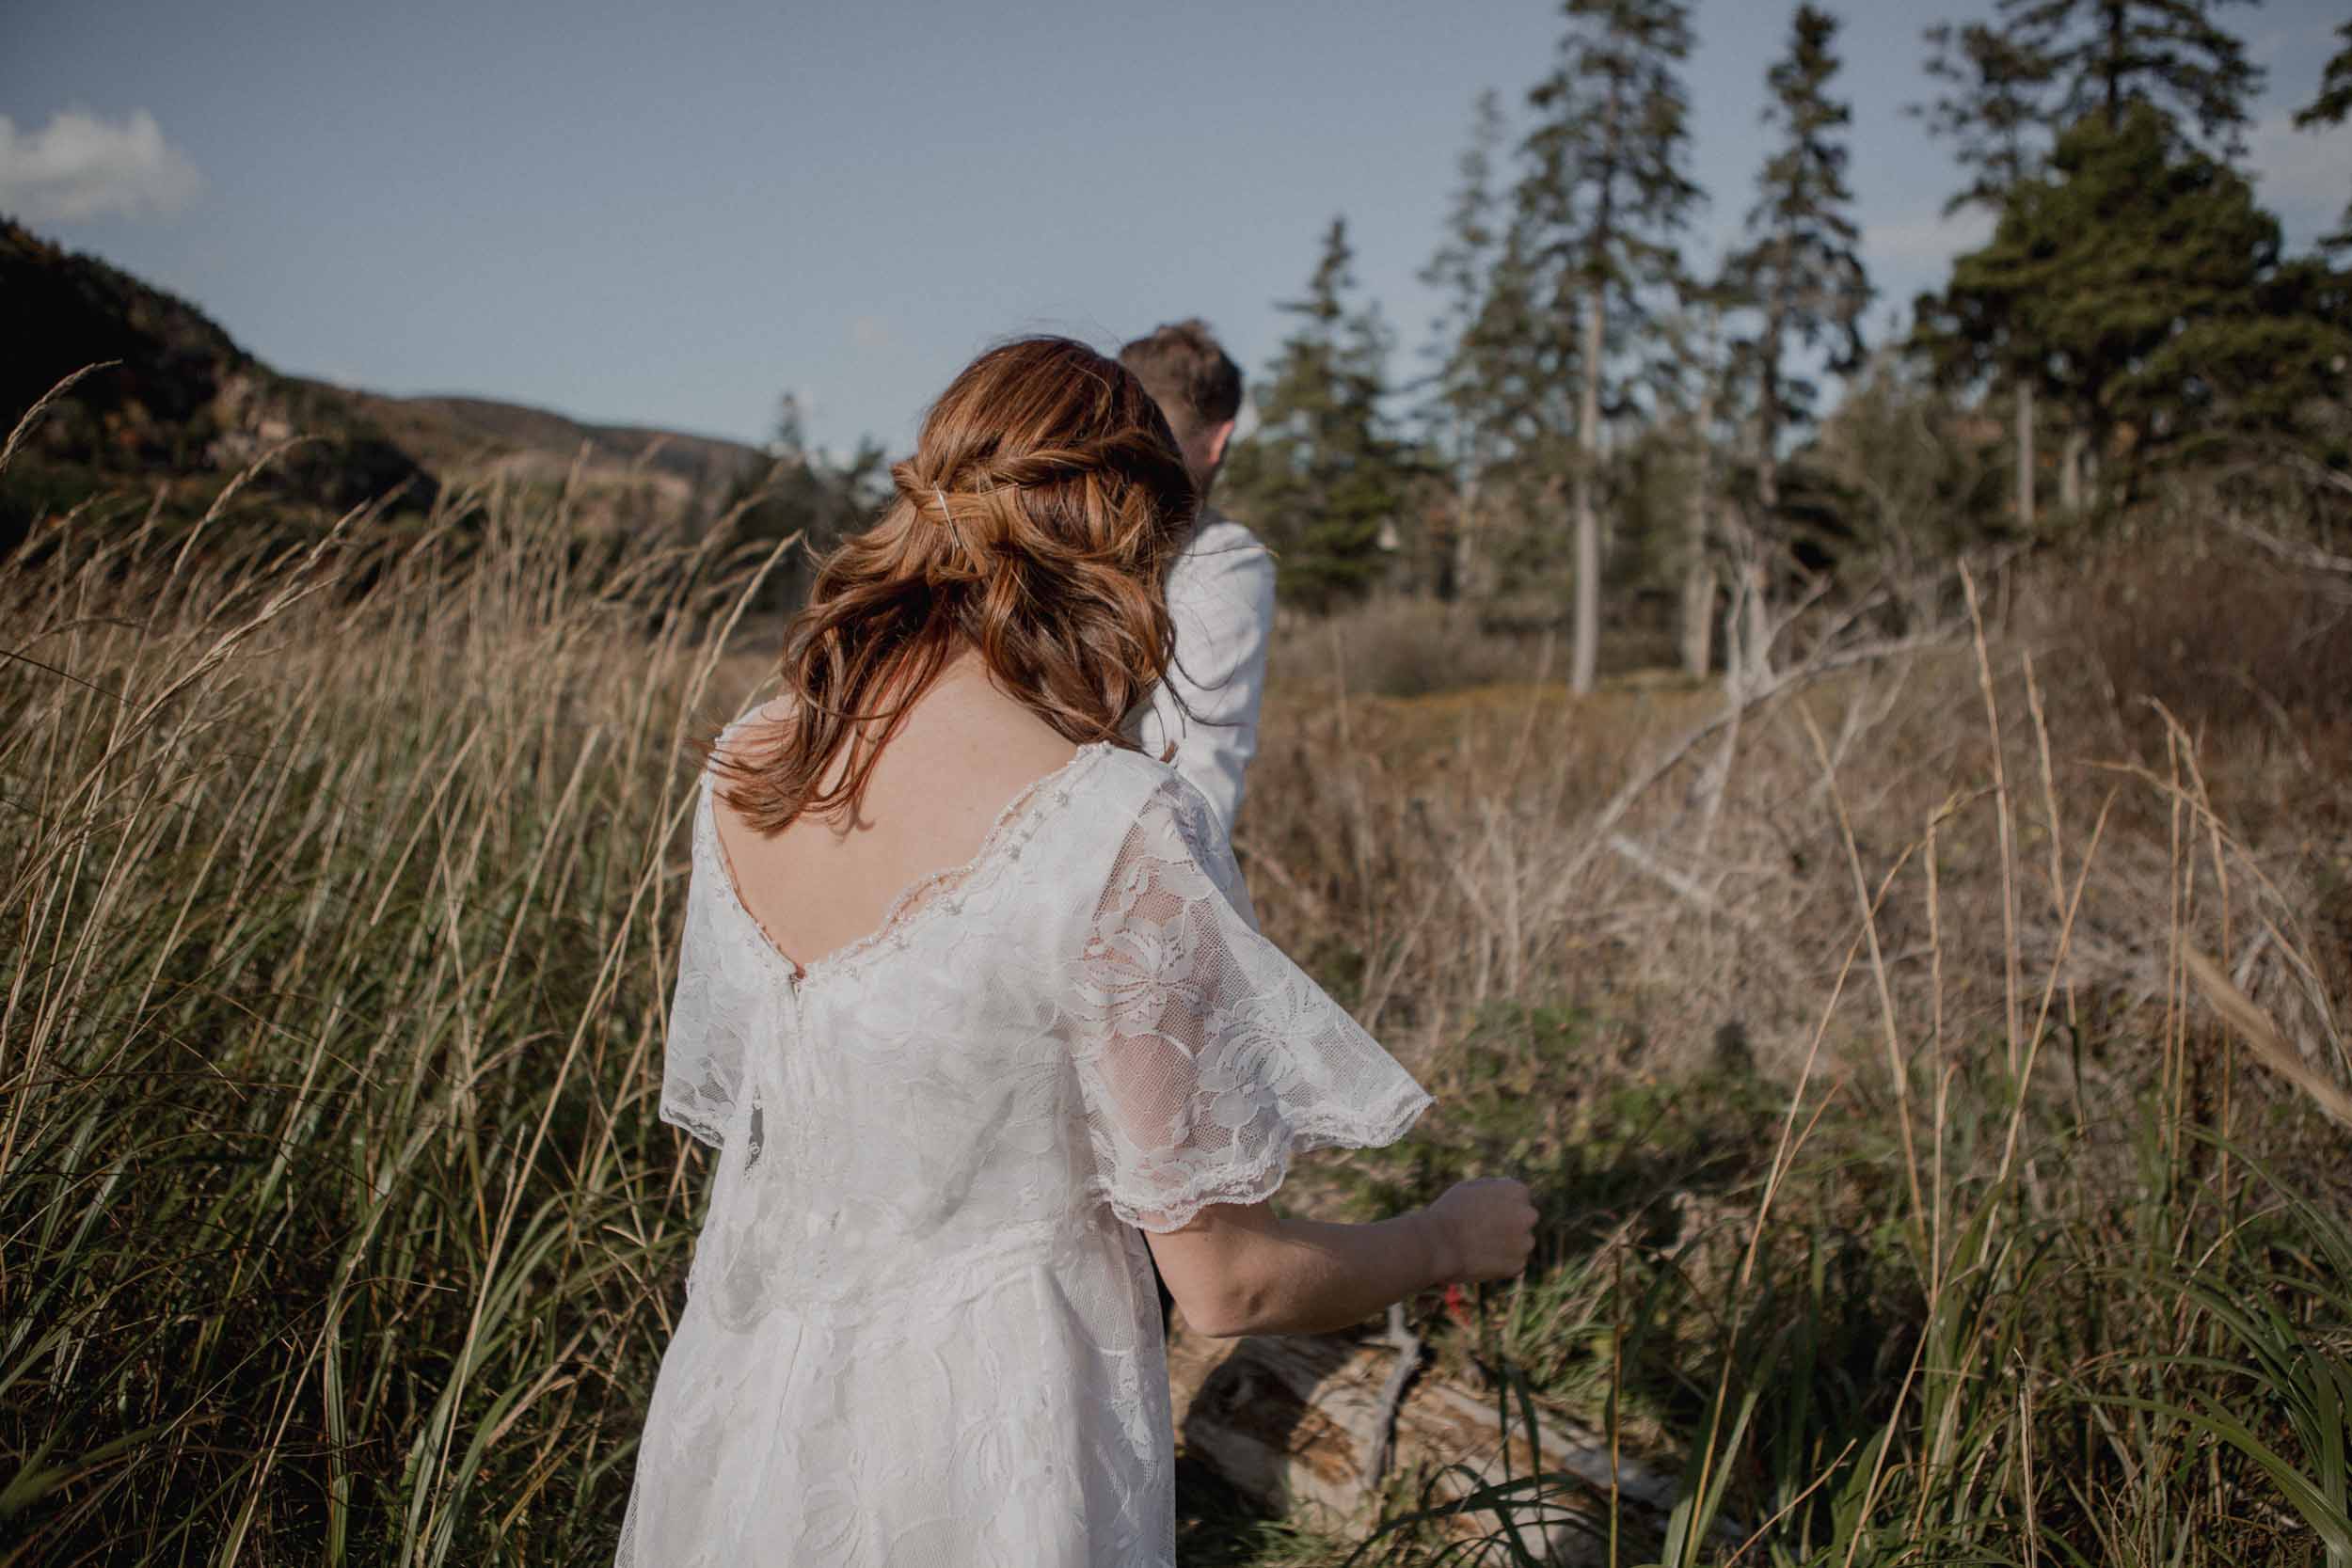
1602 425
1603 416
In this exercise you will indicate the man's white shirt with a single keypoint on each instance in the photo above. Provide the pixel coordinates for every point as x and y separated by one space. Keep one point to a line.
1220 595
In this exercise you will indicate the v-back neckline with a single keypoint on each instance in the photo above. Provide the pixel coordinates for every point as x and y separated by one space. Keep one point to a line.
901 912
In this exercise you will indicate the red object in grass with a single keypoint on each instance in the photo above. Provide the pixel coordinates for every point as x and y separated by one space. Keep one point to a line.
1457 1305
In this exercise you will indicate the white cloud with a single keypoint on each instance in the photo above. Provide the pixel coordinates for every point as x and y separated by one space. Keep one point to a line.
2303 175
80 167
1928 238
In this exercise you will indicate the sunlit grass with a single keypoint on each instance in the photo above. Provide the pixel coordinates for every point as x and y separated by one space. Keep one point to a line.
341 897
342 883
1901 1226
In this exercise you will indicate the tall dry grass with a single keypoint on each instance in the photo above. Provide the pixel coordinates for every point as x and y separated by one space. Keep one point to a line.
1903 1181
1935 1095
339 902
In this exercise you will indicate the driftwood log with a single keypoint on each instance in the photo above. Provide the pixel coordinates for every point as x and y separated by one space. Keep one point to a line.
1296 1423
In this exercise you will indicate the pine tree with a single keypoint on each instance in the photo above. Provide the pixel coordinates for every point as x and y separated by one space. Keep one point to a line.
2150 282
1912 490
1605 194
1990 109
1467 412
801 491
2330 108
2103 56
2335 88
1687 383
1802 273
1320 475
2013 85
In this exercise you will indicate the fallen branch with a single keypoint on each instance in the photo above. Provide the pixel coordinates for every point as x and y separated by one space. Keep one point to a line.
1687 887
1595 835
1294 1421
1408 1353
2310 557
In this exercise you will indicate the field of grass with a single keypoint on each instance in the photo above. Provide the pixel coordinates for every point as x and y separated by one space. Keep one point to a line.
1927 1066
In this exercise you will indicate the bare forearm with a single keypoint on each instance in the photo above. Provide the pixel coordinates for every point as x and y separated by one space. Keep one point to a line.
1312 1278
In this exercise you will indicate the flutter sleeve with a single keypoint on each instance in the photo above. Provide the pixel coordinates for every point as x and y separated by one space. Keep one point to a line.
1206 1059
713 1004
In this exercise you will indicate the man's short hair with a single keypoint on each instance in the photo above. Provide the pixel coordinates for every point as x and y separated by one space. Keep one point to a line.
1188 373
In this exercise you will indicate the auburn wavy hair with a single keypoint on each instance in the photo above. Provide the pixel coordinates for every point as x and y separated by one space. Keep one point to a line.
1035 522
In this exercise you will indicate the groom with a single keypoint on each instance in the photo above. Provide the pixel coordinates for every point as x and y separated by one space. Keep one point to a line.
1220 592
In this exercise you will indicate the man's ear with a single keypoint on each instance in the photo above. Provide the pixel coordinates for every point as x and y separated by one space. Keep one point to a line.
1218 438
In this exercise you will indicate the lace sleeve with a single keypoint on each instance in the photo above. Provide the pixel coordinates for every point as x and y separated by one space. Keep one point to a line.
1205 1057
702 1066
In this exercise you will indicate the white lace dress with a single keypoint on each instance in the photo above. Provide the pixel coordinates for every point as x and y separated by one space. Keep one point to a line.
920 1329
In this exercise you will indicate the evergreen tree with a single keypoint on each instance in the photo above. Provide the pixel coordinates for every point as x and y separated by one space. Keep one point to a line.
2149 286
1990 109
800 491
2335 88
2330 108
1525 355
1605 194
1800 274
2011 86
1912 490
2270 368
1320 475
1468 407
1694 384
2103 56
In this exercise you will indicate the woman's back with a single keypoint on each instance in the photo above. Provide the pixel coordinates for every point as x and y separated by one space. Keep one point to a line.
889 1111
965 750
920 1314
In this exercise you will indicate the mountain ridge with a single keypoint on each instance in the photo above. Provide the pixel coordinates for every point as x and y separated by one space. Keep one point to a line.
184 402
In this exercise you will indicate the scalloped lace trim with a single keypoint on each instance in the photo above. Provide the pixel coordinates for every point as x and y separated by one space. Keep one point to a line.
1249 1183
918 896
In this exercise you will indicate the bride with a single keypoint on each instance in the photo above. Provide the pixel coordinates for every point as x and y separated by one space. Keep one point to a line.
972 1008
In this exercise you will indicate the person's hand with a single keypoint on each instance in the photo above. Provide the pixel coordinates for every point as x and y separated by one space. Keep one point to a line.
1484 1229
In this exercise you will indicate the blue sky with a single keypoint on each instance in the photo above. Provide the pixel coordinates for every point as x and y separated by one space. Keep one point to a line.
670 214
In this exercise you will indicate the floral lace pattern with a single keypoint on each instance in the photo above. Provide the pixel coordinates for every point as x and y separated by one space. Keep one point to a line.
920 1328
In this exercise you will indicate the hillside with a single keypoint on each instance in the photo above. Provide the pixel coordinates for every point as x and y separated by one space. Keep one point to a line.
464 438
184 399
187 404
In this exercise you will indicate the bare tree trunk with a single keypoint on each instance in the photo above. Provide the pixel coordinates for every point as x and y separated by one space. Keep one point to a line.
1763 530
1734 636
1759 656
2025 453
1586 660
1698 574
1744 625
1698 619
1759 659
1465 540
2070 471
1735 611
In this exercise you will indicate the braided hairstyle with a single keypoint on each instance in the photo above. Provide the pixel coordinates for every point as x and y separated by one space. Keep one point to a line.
1035 522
